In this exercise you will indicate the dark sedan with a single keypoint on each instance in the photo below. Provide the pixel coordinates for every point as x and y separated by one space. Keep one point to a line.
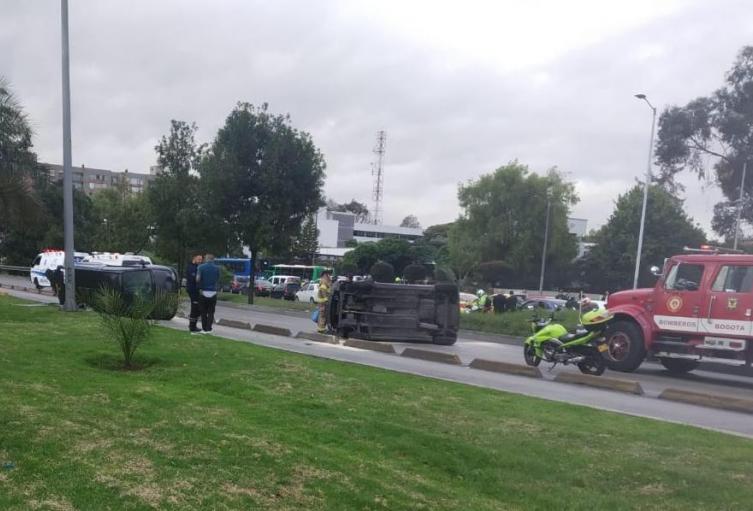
548 304
286 290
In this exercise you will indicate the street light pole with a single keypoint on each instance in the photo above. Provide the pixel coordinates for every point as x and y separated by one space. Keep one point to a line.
740 204
645 190
546 240
70 273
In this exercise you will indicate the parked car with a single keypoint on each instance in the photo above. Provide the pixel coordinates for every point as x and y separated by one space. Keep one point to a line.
286 291
308 292
262 287
239 284
282 279
547 304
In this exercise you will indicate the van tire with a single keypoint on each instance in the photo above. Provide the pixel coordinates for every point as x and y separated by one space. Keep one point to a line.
627 358
678 365
444 340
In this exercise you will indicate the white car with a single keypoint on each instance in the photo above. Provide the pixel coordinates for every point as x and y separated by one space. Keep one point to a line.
308 293
49 260
283 279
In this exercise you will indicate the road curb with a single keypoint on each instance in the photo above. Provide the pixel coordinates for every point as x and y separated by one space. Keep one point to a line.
601 382
232 323
432 356
719 401
505 367
316 337
370 345
274 330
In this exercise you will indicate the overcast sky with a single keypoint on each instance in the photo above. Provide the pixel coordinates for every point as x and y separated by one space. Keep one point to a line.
460 87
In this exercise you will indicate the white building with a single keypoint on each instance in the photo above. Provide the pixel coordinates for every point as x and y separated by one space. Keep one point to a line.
336 229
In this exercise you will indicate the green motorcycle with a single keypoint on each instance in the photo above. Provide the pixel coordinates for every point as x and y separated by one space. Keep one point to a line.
552 342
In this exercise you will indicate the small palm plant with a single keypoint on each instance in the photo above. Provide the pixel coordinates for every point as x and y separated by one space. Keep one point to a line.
129 320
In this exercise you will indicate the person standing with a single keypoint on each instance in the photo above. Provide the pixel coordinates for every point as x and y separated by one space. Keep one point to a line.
193 293
58 277
322 297
208 281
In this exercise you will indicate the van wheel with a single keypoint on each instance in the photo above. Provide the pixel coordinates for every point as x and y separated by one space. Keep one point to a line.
444 340
626 349
678 365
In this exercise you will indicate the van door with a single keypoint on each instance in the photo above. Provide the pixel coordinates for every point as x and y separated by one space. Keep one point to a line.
729 306
678 303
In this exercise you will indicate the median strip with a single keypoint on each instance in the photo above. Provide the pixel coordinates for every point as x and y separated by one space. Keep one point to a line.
232 323
274 330
312 336
722 402
433 356
370 345
601 382
505 367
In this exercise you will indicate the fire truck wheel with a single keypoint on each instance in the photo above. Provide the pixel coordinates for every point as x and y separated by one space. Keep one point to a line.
678 365
626 348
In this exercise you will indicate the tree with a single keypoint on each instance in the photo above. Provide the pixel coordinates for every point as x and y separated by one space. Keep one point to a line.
503 219
610 264
19 172
414 273
306 242
359 209
398 253
410 221
125 220
716 127
261 179
382 271
180 220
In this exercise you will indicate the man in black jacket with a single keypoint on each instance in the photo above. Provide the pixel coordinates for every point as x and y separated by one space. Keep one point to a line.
193 293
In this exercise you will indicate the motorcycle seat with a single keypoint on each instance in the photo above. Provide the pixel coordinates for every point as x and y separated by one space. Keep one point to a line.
571 336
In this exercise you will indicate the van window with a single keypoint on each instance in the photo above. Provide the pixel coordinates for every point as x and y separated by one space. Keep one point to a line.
36 261
137 283
734 279
684 277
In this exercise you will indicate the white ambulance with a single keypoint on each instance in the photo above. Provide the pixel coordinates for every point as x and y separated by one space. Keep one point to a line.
49 260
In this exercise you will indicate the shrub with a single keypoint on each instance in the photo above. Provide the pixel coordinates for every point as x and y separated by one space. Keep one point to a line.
444 274
414 273
129 321
382 272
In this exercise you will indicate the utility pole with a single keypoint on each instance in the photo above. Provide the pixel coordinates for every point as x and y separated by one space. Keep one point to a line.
546 240
645 190
377 170
70 271
740 204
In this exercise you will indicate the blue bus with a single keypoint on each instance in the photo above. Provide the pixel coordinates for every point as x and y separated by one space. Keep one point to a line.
241 270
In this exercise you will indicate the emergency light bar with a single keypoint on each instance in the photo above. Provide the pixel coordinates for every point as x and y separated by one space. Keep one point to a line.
711 249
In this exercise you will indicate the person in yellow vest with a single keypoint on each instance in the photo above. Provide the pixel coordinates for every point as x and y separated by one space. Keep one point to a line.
322 297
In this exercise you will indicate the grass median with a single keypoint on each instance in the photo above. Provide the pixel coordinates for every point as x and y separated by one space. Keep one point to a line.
266 301
214 424
515 323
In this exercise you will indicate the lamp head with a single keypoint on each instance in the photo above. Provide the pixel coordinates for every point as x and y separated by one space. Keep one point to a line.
640 96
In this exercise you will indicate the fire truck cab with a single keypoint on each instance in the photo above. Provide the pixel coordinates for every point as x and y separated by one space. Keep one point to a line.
699 310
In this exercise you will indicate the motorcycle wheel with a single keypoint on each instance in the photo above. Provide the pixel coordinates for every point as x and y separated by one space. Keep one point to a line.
593 365
529 354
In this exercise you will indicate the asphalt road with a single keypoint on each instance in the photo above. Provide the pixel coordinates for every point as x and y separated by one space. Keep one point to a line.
652 377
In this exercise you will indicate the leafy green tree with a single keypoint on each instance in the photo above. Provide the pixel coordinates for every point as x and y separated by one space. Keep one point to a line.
414 273
181 222
716 128
261 179
382 271
396 252
19 171
503 219
610 264
125 220
306 242
411 221
359 209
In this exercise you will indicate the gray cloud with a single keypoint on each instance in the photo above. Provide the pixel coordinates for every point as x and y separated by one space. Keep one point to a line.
343 75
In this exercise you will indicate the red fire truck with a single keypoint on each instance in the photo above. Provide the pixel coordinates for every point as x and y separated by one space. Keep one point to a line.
699 310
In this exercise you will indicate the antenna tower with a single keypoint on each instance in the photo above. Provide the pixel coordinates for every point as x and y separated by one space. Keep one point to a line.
377 170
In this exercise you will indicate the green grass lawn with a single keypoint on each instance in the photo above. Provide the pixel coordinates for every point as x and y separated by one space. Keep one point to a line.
267 302
512 323
214 424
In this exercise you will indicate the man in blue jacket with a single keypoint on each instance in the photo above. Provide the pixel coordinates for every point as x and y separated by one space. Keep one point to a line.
208 282
193 293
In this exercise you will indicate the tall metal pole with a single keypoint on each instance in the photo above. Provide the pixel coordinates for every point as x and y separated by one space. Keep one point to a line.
740 204
70 274
546 240
645 192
